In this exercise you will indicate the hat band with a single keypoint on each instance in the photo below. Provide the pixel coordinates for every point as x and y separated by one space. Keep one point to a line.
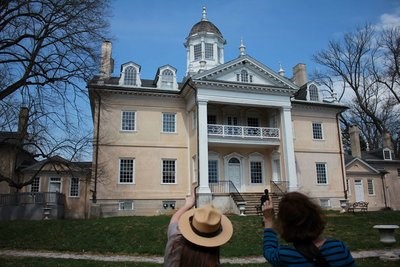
202 234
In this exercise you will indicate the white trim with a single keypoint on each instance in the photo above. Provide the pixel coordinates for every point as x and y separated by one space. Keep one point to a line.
70 187
162 170
133 170
134 126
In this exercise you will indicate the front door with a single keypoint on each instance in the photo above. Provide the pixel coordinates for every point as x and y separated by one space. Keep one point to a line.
234 173
359 190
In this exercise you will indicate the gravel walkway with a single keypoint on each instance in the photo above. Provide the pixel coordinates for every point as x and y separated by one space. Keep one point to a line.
157 259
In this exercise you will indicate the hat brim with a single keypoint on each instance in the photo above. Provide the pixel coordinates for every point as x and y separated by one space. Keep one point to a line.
216 241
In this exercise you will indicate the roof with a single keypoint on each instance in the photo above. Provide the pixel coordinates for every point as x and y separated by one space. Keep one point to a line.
205 26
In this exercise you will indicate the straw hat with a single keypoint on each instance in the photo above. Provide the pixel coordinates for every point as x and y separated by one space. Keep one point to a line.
205 226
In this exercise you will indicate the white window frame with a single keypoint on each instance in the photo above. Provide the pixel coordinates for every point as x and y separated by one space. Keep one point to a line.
210 169
313 93
208 51
325 203
78 185
164 123
385 151
122 120
35 184
256 157
167 78
197 51
120 161
371 187
317 165
317 132
175 174
55 180
125 205
130 75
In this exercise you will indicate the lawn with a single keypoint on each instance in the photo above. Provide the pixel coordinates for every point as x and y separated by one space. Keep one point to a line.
147 235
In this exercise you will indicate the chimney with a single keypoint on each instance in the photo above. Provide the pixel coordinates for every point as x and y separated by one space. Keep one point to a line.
354 133
23 122
299 74
107 63
387 141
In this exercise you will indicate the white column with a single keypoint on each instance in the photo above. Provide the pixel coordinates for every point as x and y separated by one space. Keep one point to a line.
288 148
204 191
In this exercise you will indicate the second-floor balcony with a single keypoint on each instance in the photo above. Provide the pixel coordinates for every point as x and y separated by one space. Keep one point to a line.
246 132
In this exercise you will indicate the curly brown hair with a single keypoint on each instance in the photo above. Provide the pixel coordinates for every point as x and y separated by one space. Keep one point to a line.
299 219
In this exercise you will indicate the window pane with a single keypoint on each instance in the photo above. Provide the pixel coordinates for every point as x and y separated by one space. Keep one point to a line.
313 91
125 205
321 173
74 188
197 51
371 190
317 130
130 76
256 172
126 170
209 51
211 119
244 76
168 174
128 121
213 171
169 122
35 184
167 78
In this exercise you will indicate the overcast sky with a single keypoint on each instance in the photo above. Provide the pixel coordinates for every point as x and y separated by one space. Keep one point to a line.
151 33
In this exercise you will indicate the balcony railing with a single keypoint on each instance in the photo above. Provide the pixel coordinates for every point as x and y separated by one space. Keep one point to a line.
243 131
43 198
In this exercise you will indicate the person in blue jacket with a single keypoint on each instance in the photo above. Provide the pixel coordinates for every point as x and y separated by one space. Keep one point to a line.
301 223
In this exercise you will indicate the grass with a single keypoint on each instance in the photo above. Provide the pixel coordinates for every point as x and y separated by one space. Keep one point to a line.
147 236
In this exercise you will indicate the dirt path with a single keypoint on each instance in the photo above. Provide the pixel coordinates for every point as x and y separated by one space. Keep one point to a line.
156 259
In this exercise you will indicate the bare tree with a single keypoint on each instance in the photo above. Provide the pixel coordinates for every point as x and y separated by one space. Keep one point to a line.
359 66
49 49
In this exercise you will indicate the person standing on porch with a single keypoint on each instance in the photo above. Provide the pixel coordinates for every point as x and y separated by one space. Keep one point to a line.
300 222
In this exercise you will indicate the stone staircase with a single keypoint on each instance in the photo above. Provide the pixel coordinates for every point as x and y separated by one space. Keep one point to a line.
253 199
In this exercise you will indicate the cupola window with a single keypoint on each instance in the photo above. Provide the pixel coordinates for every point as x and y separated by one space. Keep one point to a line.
209 51
130 76
197 51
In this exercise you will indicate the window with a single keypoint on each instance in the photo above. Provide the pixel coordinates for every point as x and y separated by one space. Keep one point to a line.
313 93
197 51
167 78
398 172
125 205
128 121
168 171
213 171
317 131
130 76
211 119
55 184
126 171
244 76
321 173
209 51
325 203
35 186
256 172
387 155
168 125
253 122
371 187
74 187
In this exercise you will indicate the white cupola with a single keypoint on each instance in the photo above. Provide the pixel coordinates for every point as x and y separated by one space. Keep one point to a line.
204 46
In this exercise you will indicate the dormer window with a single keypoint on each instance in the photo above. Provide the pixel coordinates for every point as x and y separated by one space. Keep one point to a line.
387 154
167 78
313 93
130 76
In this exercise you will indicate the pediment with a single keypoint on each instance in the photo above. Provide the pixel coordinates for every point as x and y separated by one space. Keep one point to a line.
258 74
359 166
